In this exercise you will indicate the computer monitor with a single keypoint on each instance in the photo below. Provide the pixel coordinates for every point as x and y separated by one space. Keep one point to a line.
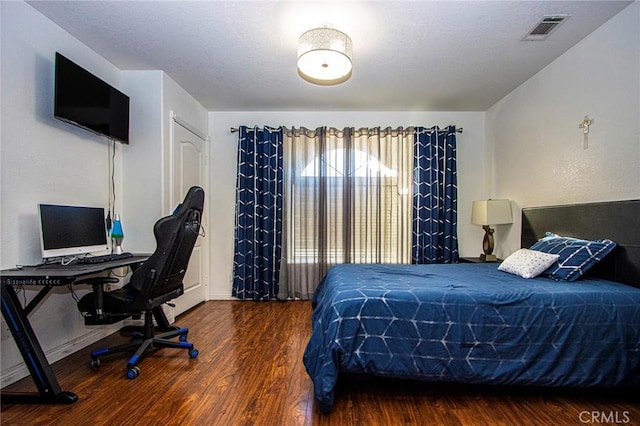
71 230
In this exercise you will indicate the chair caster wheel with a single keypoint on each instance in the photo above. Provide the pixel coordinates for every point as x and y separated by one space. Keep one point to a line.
193 353
133 372
183 338
95 362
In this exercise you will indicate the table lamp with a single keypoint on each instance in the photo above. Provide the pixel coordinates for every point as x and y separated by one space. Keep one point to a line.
117 235
486 213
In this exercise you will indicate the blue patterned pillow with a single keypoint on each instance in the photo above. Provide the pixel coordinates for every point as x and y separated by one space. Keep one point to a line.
576 256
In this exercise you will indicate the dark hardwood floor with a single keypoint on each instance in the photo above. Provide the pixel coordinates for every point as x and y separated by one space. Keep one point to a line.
250 372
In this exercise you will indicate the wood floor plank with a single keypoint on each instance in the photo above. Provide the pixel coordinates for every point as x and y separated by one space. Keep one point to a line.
250 372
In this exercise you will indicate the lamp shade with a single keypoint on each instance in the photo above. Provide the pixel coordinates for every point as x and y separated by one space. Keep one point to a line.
491 212
325 56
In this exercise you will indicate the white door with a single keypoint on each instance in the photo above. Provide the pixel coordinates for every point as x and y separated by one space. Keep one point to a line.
189 168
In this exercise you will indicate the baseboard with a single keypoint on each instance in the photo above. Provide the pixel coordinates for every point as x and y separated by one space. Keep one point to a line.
221 296
20 371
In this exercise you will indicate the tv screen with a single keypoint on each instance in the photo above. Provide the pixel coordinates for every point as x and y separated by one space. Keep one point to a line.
71 230
84 100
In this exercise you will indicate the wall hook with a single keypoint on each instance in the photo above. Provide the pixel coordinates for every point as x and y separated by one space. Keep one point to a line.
584 125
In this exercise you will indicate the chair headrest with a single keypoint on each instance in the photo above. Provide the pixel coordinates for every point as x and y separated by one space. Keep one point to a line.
193 200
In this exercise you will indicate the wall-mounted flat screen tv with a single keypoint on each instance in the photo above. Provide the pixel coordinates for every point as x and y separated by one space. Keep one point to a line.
84 100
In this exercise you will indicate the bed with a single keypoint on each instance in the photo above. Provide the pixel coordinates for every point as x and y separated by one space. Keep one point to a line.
473 323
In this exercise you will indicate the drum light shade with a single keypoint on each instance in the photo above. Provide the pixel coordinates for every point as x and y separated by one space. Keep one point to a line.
325 56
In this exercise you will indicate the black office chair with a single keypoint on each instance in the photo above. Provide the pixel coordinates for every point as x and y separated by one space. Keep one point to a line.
155 282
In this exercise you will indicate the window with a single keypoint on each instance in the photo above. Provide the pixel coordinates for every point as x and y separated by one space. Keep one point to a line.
333 162
349 200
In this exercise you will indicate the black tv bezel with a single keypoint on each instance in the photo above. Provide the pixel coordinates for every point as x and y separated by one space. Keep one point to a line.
120 97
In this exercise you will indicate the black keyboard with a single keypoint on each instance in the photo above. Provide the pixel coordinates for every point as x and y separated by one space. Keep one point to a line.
103 258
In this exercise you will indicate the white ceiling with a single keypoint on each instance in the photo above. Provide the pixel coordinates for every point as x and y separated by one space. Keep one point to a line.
408 55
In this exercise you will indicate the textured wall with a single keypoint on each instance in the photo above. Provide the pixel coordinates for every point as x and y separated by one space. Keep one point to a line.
538 155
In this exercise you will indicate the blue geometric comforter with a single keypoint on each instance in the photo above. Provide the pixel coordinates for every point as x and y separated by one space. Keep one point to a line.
471 323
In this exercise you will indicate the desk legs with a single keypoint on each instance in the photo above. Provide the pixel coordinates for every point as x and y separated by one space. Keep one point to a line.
49 391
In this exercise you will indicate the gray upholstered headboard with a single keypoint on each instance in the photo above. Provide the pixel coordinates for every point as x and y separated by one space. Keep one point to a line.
617 220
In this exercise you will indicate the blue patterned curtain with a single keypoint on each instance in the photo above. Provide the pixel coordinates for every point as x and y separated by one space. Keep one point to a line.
435 237
258 233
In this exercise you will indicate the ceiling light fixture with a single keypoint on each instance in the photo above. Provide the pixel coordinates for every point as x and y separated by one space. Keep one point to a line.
325 56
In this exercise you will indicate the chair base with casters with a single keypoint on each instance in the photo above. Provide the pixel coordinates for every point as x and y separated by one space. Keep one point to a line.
141 342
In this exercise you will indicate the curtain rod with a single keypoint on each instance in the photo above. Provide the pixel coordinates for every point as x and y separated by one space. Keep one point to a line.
458 130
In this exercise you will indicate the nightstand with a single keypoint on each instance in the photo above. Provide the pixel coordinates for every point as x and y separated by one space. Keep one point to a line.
474 260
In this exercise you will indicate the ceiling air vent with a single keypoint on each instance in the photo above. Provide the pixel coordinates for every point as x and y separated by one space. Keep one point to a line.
544 27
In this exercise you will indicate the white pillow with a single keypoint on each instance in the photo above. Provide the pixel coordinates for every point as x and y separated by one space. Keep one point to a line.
528 263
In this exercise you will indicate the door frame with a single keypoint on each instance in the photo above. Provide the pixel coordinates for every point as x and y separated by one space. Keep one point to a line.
174 120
